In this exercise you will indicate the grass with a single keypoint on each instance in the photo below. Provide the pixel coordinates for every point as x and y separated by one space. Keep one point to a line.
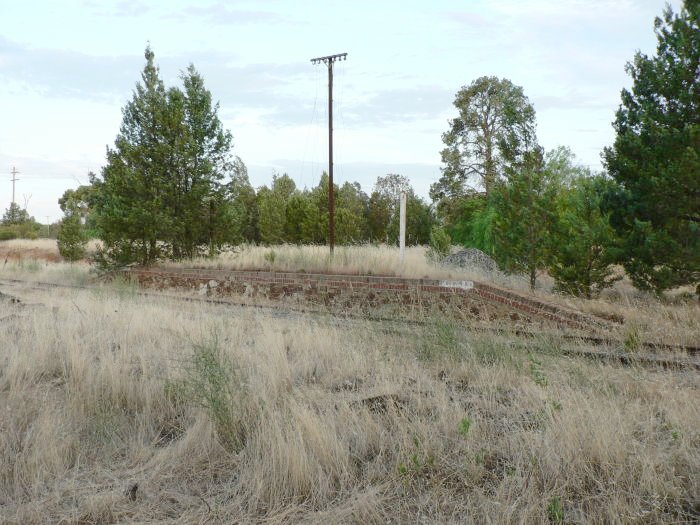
674 319
365 259
118 408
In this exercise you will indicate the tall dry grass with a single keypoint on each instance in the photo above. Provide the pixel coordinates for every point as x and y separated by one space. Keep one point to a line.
119 409
363 259
674 319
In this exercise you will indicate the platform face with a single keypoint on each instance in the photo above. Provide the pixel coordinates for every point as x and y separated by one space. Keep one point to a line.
370 295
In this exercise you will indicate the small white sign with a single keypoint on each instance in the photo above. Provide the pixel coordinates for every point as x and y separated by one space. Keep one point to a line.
464 285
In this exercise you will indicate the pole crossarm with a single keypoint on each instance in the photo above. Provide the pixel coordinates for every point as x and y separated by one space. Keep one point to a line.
330 58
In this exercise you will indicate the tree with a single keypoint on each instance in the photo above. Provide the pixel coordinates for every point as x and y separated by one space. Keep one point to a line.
71 238
491 133
15 215
582 243
655 159
162 191
524 215
130 204
272 209
315 225
203 149
242 196
351 211
79 201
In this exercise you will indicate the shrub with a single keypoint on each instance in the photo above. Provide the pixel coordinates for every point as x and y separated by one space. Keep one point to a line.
439 243
213 382
71 238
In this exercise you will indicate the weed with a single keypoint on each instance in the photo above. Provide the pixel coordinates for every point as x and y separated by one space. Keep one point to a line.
464 426
537 373
212 381
29 265
632 339
556 405
125 286
270 257
489 351
555 510
439 340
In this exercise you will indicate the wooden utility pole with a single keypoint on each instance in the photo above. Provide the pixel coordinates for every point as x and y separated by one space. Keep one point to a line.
402 225
14 179
329 60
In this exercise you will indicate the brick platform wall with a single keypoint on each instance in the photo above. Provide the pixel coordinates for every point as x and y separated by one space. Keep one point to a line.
472 299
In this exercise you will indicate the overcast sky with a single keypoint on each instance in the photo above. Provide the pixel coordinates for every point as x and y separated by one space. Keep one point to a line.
68 67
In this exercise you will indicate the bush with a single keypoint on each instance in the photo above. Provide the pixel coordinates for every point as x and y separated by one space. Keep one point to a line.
213 382
71 238
8 233
440 243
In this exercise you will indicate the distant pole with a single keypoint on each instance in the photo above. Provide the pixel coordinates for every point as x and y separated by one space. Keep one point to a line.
48 227
329 60
14 179
402 225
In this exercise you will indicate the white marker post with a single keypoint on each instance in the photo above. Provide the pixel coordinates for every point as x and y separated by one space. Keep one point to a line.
402 225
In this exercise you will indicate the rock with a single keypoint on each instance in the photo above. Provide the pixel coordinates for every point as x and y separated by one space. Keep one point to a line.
471 258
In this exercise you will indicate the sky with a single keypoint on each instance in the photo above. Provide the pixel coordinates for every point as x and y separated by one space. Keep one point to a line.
68 67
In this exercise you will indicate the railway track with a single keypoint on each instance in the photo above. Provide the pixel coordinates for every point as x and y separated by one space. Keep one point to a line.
669 356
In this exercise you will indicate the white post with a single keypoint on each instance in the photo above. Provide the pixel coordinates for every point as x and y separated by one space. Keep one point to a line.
402 225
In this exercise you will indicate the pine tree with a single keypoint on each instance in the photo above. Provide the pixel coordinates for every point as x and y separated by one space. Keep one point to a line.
582 243
655 159
71 238
163 191
524 216
15 215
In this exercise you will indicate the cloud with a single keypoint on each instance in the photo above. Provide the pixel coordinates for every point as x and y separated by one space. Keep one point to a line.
221 13
70 74
121 9
401 105
569 101
67 73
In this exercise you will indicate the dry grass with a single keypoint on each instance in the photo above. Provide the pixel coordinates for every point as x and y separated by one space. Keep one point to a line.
225 416
674 320
364 259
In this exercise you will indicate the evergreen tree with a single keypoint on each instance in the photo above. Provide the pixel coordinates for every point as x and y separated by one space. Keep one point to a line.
524 216
655 159
272 209
582 243
351 211
14 215
162 192
242 196
71 238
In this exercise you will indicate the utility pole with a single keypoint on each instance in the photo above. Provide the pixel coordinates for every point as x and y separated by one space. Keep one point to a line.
329 60
402 225
48 228
14 179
